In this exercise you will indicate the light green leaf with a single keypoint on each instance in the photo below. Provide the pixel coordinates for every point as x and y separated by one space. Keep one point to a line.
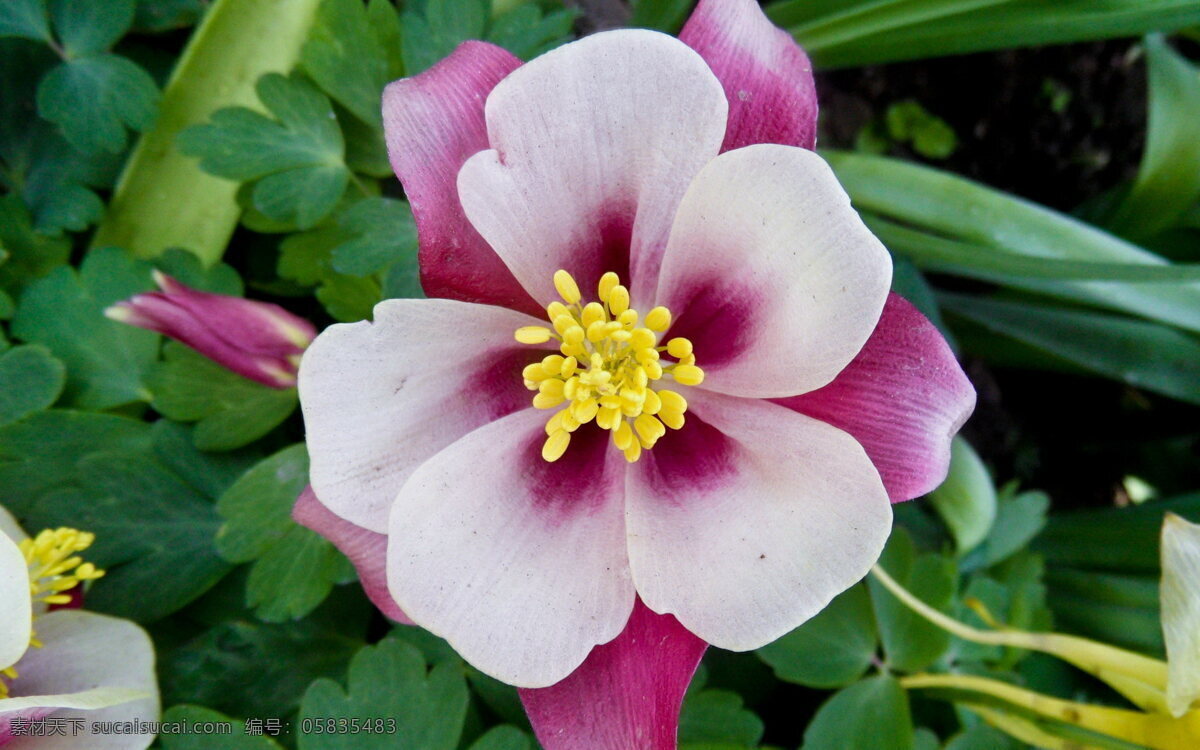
1141 354
106 361
30 381
237 740
345 58
1018 521
93 99
25 18
910 642
930 136
718 717
966 501
349 299
833 649
384 234
302 196
873 713
294 568
389 681
89 26
229 410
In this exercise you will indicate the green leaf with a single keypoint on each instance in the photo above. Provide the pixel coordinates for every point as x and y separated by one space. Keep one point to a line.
503 737
1018 521
982 737
910 642
966 501
349 299
833 649
345 58
936 202
25 18
106 361
94 99
298 157
873 713
930 136
294 568
385 25
389 681
662 15
524 31
718 716
218 278
445 24
30 381
30 255
1143 355
86 27
1168 180
229 410
237 740
384 234
156 16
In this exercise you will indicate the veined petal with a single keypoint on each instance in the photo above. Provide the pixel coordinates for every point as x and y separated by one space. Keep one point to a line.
97 668
750 519
518 562
767 77
379 398
771 273
592 146
903 398
1181 611
366 549
434 122
626 694
15 600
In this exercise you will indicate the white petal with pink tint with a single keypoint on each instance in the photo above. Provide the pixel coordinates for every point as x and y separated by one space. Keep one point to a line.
89 661
518 562
750 519
379 398
771 273
15 601
593 144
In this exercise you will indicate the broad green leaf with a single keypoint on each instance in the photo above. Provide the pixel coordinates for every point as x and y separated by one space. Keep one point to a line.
982 737
183 266
237 740
155 16
661 15
1168 180
93 99
857 32
503 737
1140 354
966 501
385 25
106 361
390 681
429 37
833 649
86 27
349 299
229 410
910 642
30 255
25 18
1018 521
294 568
526 33
345 58
873 713
304 195
937 202
31 380
925 739
384 234
502 699
718 716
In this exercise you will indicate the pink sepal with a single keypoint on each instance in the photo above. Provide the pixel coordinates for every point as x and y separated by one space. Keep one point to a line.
366 549
903 398
766 75
627 694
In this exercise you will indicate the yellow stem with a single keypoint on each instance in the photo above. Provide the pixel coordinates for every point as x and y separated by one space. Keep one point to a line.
1024 730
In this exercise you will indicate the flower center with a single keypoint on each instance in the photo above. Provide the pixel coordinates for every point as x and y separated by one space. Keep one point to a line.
54 569
608 364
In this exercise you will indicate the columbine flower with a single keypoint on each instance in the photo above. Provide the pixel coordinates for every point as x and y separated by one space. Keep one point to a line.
258 340
667 397
65 664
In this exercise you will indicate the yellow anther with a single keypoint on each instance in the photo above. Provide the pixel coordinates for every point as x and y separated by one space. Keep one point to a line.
606 371
658 319
566 287
688 374
533 334
679 347
556 445
618 300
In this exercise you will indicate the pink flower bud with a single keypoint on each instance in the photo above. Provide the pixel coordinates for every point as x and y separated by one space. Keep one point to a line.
258 340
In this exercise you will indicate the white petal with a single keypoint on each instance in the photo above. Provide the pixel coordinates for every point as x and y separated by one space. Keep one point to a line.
771 273
90 661
750 519
1181 611
593 145
9 526
519 563
379 398
15 602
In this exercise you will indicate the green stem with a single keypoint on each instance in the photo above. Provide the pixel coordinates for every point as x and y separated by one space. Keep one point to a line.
163 199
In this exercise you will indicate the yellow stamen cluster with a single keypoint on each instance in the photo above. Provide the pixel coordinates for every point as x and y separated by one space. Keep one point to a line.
608 360
54 569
